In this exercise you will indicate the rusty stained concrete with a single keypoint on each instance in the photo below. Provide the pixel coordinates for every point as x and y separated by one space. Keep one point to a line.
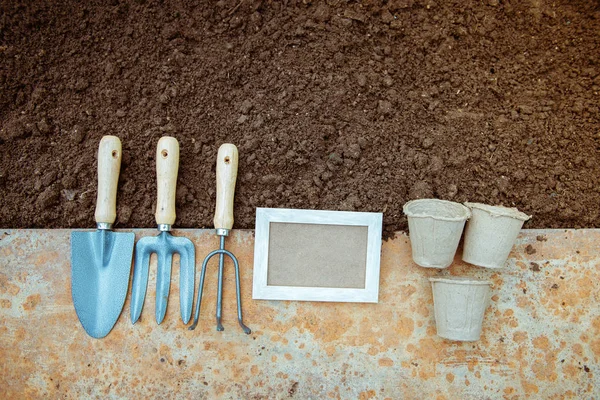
541 334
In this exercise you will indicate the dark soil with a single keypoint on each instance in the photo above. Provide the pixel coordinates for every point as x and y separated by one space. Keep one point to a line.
333 105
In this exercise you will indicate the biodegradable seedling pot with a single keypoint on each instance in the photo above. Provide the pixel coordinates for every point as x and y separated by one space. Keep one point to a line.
491 234
435 228
459 306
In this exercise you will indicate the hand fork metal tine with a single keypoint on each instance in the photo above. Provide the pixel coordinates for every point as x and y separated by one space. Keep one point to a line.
163 283
187 275
143 250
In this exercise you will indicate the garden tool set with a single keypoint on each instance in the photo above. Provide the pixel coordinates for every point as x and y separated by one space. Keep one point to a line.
101 260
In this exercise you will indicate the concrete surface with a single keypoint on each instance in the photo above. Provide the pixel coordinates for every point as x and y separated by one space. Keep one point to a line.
541 335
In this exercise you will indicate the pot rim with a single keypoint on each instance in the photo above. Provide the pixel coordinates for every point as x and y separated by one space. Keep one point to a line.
499 211
460 209
459 280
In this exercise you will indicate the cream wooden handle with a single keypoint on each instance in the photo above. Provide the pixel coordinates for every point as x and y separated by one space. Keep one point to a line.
227 166
109 165
167 165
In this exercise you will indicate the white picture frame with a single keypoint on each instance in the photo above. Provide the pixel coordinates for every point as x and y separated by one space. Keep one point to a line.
266 216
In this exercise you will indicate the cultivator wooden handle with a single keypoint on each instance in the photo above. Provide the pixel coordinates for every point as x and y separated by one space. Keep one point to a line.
109 165
167 165
227 166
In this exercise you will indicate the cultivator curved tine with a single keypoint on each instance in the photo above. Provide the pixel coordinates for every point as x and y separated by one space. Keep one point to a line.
221 252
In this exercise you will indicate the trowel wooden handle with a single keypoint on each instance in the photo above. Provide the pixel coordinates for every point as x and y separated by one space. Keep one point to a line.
167 165
109 165
227 166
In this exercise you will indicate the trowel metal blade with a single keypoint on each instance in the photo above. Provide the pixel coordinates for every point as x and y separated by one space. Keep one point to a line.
100 269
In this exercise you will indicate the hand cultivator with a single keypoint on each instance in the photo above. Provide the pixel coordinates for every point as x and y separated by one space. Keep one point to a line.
227 165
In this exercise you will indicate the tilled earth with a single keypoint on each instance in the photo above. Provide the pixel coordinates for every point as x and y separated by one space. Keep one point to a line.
333 104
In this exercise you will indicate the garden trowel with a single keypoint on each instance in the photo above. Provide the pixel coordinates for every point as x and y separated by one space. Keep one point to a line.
101 260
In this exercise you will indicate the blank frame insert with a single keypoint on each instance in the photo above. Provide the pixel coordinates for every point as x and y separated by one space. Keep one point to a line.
338 261
316 255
